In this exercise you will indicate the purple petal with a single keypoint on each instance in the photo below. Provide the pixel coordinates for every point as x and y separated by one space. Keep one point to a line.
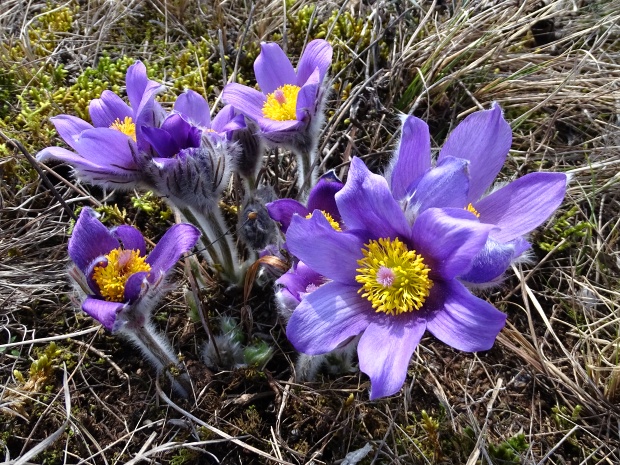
130 238
336 254
322 196
282 210
179 239
162 142
246 100
484 139
327 317
365 202
184 134
490 263
385 351
90 239
307 101
103 311
449 240
108 147
523 204
317 54
466 322
69 128
106 110
78 162
137 82
290 127
135 286
226 116
272 68
444 186
297 279
412 158
194 108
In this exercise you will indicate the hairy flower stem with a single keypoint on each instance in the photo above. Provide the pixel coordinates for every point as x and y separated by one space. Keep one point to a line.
218 244
307 175
158 351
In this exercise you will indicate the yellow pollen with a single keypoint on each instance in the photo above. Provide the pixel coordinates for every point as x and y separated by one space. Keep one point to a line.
281 104
470 208
394 279
127 127
112 278
334 224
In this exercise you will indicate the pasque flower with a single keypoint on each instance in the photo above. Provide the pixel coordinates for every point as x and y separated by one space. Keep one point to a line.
389 280
122 281
123 284
288 109
108 152
468 163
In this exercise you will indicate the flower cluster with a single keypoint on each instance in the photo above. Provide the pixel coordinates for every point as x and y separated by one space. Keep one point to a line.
375 262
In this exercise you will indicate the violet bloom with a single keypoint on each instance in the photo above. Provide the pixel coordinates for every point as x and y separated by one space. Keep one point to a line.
123 282
468 163
108 151
389 281
288 109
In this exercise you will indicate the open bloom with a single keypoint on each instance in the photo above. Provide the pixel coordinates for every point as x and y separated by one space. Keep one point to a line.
389 280
123 281
108 151
468 163
289 100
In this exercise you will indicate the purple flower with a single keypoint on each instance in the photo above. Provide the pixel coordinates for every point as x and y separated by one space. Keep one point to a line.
468 163
122 280
294 285
389 280
107 152
321 197
289 99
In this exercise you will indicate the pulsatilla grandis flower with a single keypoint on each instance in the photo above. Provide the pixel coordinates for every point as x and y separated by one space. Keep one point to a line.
108 152
389 280
123 283
289 98
468 163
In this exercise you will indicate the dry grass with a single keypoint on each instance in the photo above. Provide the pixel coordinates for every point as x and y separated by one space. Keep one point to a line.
553 376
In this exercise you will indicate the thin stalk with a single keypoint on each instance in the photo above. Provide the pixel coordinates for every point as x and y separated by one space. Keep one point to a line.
157 349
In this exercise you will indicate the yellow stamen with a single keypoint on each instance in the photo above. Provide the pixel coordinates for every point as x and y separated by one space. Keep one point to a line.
394 279
281 104
334 224
126 126
470 208
112 278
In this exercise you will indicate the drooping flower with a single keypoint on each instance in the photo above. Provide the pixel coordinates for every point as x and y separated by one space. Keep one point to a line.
389 280
122 281
108 152
468 163
288 109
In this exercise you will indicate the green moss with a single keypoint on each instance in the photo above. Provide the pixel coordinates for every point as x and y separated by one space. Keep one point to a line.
566 228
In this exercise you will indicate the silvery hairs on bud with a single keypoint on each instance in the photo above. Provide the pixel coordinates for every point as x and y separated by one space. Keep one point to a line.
255 227
196 177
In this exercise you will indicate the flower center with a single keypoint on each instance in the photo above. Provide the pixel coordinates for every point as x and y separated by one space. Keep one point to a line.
112 277
394 280
281 104
470 208
334 224
126 126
